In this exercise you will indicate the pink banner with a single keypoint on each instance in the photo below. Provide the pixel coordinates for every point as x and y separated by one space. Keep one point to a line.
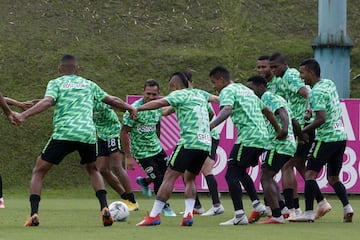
349 175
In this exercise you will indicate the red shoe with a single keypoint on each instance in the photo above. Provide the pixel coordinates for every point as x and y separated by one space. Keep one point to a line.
32 221
150 221
272 220
187 221
255 216
107 219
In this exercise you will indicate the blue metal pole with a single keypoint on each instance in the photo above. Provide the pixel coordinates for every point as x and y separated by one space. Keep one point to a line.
332 46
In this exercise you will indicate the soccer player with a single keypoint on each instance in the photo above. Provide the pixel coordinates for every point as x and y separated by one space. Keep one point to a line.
9 114
330 141
246 111
109 154
74 130
292 88
192 150
282 150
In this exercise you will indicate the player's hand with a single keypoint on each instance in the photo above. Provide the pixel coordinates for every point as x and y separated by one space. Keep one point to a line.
308 114
129 163
282 134
28 104
16 118
133 113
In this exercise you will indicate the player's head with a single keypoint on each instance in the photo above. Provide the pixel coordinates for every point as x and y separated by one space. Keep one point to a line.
263 67
68 65
278 64
178 80
151 90
310 70
188 76
257 84
219 77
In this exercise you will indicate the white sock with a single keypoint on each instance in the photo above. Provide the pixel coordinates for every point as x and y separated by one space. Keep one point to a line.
157 207
239 213
189 206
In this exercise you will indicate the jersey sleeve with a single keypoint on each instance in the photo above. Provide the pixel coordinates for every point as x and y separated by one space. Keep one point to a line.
127 121
99 94
52 90
227 98
295 82
174 98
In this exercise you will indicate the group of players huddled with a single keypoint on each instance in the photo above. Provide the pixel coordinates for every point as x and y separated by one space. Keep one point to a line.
283 116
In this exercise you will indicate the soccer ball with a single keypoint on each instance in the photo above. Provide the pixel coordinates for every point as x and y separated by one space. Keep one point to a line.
119 211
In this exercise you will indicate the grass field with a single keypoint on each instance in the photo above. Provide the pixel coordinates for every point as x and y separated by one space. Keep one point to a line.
75 215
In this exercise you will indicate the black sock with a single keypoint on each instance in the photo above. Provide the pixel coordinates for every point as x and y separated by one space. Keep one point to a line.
296 203
212 185
128 196
248 184
289 197
341 193
34 203
101 195
311 188
276 212
281 204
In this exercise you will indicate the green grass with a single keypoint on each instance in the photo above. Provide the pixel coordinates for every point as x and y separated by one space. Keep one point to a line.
75 215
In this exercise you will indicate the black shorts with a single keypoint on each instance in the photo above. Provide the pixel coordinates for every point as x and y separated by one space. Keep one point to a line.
303 149
273 161
187 159
55 151
107 147
330 153
245 157
154 166
214 145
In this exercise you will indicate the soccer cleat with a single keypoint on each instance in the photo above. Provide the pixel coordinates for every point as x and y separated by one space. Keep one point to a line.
348 213
187 221
214 211
323 208
307 216
2 203
167 211
236 221
285 212
257 213
274 220
144 188
149 221
298 211
32 221
198 210
132 206
107 219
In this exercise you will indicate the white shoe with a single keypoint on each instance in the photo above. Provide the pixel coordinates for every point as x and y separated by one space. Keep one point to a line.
348 213
214 211
292 213
236 221
298 211
307 216
323 208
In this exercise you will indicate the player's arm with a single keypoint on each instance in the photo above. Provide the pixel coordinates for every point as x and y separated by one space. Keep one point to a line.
222 116
117 103
166 111
39 107
320 118
124 139
284 118
5 107
23 105
271 117
214 99
155 104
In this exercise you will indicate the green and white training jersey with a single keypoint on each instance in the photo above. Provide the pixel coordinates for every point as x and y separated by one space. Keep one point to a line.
246 115
106 121
193 118
144 141
288 87
74 102
288 145
324 97
273 85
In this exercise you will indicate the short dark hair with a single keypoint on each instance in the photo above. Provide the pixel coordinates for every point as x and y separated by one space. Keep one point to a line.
279 57
67 58
263 57
258 80
312 65
188 75
151 83
182 77
220 71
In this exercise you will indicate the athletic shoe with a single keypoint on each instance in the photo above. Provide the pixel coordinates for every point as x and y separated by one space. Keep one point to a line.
323 208
214 211
307 216
132 206
257 213
268 212
167 211
292 213
107 219
150 221
145 188
198 210
32 221
348 213
2 203
285 212
298 211
236 221
187 221
274 220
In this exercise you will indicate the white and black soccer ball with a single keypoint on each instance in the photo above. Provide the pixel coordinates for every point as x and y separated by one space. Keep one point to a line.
119 211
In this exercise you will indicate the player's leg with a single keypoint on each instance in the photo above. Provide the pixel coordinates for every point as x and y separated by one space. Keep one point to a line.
2 204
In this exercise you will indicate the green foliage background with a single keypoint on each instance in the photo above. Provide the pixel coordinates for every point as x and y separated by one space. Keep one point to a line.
122 43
